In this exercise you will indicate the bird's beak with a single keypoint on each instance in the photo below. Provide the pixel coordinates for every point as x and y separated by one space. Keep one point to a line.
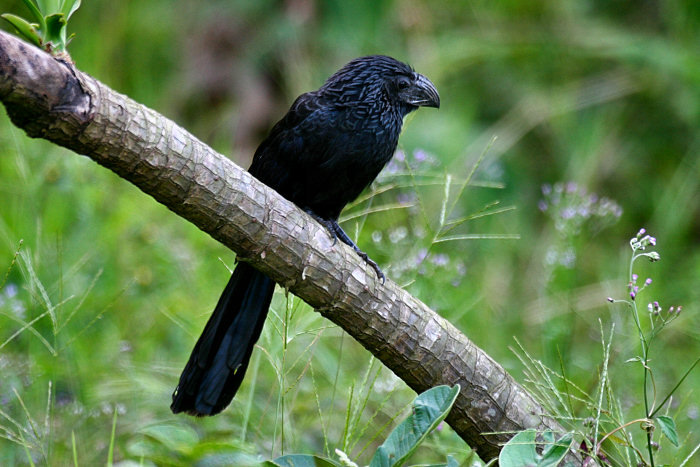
421 93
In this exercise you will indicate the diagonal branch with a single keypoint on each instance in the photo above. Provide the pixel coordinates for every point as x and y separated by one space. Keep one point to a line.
50 99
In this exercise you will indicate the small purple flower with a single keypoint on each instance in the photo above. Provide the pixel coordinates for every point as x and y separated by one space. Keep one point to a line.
406 198
420 155
440 259
542 205
648 281
568 213
392 168
11 290
546 189
421 255
634 278
632 295
568 258
641 232
610 299
18 309
654 308
647 240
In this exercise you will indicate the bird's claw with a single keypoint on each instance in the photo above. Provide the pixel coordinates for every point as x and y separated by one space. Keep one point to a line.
337 233
328 224
372 264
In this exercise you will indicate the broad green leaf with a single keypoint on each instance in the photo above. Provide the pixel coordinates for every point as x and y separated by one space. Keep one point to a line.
519 451
548 437
55 30
451 462
668 428
555 452
230 458
48 7
69 7
429 409
23 27
38 17
179 438
141 448
304 460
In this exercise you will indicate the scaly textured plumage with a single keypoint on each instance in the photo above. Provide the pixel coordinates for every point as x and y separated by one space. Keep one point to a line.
330 146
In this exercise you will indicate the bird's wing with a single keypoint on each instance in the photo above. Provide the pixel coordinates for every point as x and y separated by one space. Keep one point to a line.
296 141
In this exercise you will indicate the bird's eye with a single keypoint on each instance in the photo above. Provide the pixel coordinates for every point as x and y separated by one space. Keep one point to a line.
403 83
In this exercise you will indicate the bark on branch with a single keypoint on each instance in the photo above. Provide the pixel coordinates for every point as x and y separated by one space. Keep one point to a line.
50 99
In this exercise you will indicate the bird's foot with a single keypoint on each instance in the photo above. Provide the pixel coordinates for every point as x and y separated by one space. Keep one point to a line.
329 225
337 233
371 263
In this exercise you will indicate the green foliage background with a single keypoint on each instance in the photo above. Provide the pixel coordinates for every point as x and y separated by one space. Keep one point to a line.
605 95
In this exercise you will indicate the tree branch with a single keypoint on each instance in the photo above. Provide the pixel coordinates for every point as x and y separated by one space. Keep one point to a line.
50 99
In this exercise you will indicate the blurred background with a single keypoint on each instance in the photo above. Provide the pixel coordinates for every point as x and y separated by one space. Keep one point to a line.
575 122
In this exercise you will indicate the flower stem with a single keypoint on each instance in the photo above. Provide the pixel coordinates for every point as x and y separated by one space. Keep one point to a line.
645 360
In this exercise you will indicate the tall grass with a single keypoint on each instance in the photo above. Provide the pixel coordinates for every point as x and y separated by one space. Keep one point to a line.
101 303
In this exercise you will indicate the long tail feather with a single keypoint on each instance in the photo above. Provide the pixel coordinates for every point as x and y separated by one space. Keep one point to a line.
220 357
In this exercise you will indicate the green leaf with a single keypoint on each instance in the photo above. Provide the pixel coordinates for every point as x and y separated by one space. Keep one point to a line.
304 460
180 438
429 409
548 437
519 451
451 462
24 28
141 448
555 452
69 7
668 428
48 7
227 459
56 30
38 17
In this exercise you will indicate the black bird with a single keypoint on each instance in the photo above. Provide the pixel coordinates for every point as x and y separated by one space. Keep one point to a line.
328 148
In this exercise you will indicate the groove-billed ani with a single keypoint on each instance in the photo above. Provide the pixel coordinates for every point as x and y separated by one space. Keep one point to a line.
327 149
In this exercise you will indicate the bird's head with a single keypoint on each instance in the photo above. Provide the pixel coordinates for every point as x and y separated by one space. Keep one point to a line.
414 90
381 77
